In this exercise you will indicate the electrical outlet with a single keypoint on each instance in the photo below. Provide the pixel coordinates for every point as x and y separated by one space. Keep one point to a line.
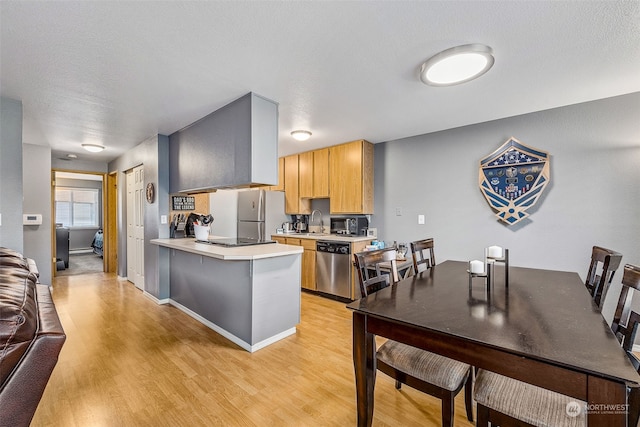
163 219
421 219
398 211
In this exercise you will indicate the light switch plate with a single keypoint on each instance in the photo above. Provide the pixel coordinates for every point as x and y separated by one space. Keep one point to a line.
163 219
421 219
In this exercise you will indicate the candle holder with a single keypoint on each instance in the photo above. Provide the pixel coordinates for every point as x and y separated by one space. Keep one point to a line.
493 255
474 274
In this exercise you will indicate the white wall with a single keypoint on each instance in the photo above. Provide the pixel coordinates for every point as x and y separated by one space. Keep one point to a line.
593 197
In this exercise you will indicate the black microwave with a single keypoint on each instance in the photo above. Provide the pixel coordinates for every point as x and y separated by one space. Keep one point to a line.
356 226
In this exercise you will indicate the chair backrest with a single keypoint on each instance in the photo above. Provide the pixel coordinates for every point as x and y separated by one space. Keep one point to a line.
604 263
630 282
422 262
371 266
627 335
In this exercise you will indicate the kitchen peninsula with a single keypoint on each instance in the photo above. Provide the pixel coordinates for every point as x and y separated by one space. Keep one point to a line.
248 294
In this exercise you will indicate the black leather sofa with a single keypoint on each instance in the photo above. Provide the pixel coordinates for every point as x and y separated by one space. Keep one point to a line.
31 338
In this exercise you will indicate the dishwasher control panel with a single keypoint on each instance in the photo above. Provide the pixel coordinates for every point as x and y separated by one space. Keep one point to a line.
340 248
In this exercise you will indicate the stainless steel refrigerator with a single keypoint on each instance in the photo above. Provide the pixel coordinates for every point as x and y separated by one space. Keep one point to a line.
260 213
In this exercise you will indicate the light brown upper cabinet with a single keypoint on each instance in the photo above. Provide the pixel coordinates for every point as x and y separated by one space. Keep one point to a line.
293 203
305 174
313 174
351 178
321 173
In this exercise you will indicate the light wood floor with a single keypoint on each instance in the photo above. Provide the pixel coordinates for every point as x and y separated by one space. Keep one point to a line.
130 362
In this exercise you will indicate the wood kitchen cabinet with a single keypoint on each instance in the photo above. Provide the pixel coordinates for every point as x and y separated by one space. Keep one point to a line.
321 173
281 240
351 178
308 264
305 175
292 201
308 279
313 174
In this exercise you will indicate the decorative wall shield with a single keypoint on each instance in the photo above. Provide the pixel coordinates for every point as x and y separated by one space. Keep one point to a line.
512 179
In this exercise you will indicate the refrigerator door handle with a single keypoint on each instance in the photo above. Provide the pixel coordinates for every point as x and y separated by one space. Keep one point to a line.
261 207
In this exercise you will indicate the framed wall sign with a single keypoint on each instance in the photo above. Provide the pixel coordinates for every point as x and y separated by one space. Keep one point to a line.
513 178
183 203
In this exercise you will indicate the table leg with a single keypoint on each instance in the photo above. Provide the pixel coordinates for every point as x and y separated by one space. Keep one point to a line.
364 362
607 403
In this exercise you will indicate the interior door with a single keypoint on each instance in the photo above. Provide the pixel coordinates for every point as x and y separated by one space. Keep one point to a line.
135 226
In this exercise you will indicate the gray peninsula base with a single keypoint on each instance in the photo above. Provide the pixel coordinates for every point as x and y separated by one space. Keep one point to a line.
251 302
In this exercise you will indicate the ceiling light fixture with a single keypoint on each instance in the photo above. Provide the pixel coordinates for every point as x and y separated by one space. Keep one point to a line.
72 156
93 148
457 65
301 135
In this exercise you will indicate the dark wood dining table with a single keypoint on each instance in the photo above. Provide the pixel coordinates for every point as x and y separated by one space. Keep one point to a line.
543 329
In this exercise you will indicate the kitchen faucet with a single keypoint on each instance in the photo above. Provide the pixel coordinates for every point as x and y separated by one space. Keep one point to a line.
321 225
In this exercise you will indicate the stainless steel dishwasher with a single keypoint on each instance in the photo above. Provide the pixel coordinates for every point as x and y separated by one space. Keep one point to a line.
333 268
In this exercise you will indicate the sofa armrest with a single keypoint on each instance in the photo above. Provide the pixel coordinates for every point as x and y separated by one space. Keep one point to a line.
21 393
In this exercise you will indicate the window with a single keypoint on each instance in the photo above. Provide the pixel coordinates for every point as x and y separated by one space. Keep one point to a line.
77 207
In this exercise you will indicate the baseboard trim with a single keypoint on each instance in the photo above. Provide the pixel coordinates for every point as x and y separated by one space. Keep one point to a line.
228 335
156 300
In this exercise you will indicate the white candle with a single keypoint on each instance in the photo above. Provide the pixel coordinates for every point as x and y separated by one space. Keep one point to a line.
494 252
476 267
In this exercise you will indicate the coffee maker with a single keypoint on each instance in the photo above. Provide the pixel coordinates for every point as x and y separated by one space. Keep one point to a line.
301 223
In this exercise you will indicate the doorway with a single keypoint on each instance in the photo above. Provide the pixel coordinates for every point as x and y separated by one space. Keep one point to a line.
78 201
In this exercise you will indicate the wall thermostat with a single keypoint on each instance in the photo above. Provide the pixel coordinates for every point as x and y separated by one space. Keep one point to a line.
31 219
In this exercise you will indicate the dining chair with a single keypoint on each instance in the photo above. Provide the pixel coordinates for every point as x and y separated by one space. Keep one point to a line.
506 401
420 261
630 283
603 265
428 372
626 333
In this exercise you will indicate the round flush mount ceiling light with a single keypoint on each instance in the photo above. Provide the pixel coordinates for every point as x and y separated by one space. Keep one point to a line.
457 65
93 148
301 135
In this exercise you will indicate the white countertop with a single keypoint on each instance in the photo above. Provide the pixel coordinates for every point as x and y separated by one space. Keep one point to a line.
189 244
329 237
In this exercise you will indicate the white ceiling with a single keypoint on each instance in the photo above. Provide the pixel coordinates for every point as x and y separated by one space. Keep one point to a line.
117 72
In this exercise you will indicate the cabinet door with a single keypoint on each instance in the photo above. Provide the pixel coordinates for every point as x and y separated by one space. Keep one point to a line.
305 174
291 194
351 178
309 269
321 173
346 177
292 201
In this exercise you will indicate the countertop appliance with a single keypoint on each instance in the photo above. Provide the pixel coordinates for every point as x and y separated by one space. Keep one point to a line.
236 241
260 213
356 225
333 268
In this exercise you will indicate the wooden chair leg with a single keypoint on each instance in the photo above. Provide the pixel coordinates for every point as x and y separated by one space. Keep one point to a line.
447 410
468 396
482 413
